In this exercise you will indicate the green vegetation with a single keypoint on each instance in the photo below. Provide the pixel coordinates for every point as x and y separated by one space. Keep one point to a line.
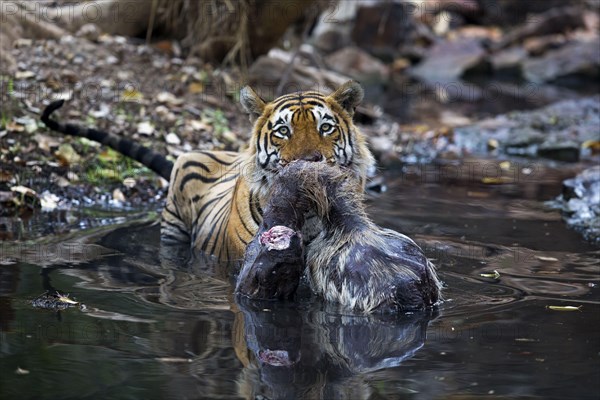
217 119
109 166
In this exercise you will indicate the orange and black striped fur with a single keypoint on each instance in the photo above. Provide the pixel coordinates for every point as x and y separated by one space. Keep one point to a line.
215 198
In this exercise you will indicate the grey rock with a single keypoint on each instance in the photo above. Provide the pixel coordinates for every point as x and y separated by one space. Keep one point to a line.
448 60
509 60
358 64
575 58
580 203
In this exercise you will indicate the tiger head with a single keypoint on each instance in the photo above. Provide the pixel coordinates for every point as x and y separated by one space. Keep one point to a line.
306 126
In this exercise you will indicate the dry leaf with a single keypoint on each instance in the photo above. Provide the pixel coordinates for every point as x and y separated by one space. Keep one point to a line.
67 155
195 88
130 94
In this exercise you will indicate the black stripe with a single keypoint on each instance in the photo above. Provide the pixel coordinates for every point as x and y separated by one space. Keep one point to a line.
217 159
167 236
195 176
252 202
176 215
237 209
179 229
315 103
188 164
204 208
299 98
223 180
241 240
216 217
223 238
219 230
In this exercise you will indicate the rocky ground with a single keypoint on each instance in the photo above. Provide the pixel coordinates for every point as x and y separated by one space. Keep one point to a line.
155 95
580 203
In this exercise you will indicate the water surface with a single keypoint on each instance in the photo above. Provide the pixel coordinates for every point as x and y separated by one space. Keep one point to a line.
158 327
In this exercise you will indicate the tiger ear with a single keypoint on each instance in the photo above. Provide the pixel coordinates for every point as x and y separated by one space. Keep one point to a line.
252 102
349 95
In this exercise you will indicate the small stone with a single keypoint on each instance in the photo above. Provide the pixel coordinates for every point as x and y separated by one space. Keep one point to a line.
49 201
145 128
168 98
112 60
172 138
89 31
24 74
21 42
102 112
129 182
117 195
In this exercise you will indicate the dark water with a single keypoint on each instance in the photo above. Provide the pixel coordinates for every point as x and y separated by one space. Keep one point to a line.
156 328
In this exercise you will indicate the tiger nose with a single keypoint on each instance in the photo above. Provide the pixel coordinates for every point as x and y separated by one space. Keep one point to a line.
314 156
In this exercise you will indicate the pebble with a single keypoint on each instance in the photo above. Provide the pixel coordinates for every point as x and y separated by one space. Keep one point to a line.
172 138
145 128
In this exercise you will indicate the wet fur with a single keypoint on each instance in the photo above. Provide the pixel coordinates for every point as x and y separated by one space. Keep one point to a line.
353 261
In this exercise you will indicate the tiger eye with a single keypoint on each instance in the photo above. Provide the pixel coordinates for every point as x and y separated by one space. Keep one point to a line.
326 128
284 130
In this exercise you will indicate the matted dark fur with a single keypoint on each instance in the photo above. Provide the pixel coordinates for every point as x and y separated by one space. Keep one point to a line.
352 261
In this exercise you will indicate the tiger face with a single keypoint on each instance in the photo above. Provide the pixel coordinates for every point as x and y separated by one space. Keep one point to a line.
308 126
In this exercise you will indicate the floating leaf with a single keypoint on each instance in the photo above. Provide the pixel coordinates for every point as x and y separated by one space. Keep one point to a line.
565 308
173 359
55 302
65 299
496 180
550 259
478 195
495 275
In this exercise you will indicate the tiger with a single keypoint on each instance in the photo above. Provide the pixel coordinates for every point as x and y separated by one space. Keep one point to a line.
215 198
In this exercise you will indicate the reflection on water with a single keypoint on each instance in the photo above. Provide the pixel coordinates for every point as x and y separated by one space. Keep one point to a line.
293 352
159 326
